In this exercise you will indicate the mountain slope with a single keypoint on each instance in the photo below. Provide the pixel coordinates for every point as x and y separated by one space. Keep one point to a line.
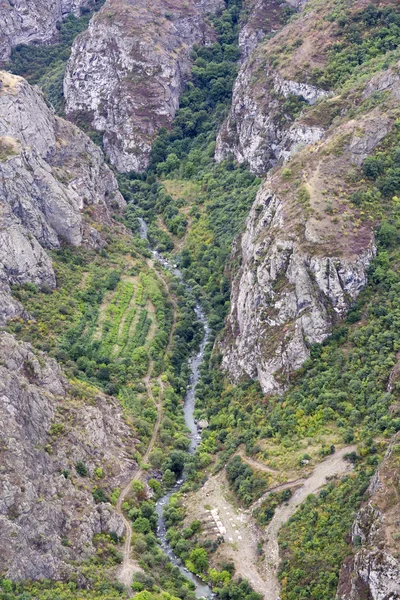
307 244
34 21
51 173
126 73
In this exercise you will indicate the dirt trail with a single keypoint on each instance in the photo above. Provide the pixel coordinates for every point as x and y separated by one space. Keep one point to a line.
278 488
129 566
216 508
256 464
333 465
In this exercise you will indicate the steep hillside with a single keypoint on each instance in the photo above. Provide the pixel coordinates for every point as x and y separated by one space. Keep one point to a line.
126 72
55 189
35 21
52 175
374 569
53 445
307 244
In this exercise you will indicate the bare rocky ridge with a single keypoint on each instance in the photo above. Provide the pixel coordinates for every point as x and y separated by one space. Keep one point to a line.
126 72
374 569
46 519
50 172
258 130
34 21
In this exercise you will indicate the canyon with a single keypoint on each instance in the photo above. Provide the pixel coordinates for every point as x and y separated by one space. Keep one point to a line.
200 238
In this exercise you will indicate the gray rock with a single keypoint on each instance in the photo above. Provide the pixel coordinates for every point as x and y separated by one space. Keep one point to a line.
126 73
49 172
373 571
33 21
252 132
46 520
283 297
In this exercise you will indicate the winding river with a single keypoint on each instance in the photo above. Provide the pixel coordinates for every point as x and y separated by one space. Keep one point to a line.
202 590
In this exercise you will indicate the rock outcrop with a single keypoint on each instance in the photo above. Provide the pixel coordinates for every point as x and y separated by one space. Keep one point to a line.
260 128
373 571
286 295
306 248
49 173
48 516
304 254
34 21
126 72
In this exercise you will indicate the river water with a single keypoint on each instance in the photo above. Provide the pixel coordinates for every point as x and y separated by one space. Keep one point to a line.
202 589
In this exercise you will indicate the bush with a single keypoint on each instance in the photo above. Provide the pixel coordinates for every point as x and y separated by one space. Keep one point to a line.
81 469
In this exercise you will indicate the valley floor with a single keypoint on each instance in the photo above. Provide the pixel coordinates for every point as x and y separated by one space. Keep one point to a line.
215 506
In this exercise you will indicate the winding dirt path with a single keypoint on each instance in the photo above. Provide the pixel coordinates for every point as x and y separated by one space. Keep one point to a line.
333 465
130 566
258 466
213 504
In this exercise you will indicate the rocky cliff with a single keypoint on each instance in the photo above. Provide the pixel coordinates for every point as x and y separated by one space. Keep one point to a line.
260 127
126 72
306 248
34 21
50 172
374 569
48 516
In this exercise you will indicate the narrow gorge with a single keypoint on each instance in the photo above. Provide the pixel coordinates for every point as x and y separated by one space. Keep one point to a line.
199 299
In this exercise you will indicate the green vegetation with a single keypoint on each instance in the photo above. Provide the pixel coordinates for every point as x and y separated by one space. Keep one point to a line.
246 483
196 549
45 65
224 192
340 393
109 324
362 36
314 540
266 511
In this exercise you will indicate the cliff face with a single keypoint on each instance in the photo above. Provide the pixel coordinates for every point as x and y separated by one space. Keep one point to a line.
48 516
374 569
126 72
34 21
260 128
49 172
305 249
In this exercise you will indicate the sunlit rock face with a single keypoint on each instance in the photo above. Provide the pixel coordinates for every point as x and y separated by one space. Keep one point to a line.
126 72
34 21
50 172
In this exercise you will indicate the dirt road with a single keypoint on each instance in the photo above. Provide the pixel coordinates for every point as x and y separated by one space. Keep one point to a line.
215 507
333 465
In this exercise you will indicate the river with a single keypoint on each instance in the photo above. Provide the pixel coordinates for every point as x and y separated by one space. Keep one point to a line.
202 589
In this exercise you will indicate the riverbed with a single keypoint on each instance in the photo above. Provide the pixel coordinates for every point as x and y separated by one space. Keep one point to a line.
202 589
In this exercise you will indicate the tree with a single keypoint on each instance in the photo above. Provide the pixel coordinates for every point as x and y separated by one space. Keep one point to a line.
199 559
141 525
